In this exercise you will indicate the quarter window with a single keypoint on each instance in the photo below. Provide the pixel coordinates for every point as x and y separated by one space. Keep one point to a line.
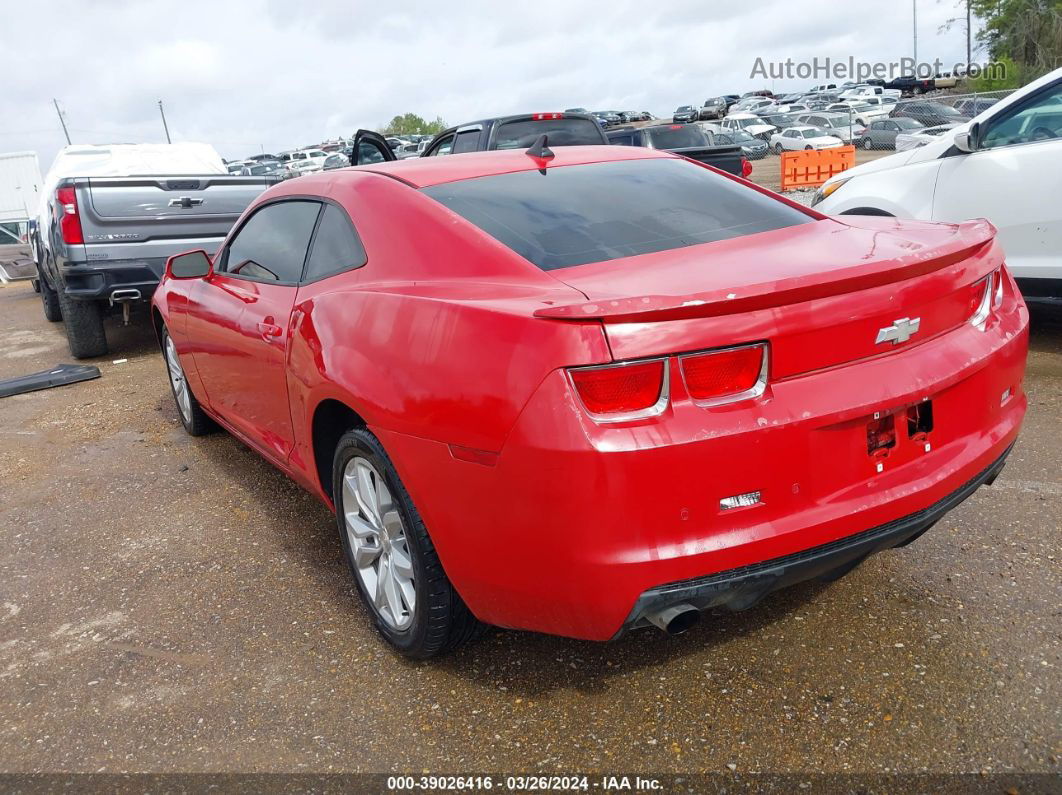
272 245
336 246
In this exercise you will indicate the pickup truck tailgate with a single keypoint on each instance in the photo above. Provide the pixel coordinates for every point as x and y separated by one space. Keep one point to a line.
154 217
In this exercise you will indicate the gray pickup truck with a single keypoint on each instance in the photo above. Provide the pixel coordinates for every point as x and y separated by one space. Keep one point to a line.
104 242
688 140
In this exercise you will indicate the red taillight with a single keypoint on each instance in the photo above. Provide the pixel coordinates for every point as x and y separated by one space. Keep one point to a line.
726 374
746 168
546 116
622 391
69 222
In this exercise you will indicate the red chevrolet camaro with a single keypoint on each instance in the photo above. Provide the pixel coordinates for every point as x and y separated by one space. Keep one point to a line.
599 388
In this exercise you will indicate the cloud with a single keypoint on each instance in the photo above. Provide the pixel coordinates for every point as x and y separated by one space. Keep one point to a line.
272 75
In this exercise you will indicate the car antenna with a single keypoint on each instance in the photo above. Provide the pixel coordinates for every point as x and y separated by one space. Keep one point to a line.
540 149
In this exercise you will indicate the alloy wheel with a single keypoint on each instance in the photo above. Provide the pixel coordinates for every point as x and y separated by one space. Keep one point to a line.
179 382
378 544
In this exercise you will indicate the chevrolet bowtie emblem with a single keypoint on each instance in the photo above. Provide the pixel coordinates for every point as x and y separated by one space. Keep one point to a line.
901 330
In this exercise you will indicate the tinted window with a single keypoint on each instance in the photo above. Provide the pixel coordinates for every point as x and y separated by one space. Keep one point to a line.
369 153
271 246
467 141
591 213
336 246
561 132
676 136
625 139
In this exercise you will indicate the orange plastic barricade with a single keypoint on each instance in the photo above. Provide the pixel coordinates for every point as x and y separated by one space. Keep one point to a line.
811 167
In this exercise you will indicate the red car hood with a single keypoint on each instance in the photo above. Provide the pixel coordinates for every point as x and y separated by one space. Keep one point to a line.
824 258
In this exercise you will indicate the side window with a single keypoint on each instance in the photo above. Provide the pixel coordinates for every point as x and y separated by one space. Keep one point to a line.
271 246
336 246
622 140
368 153
1038 118
443 147
466 141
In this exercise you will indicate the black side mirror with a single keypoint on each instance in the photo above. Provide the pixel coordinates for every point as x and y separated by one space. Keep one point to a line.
190 265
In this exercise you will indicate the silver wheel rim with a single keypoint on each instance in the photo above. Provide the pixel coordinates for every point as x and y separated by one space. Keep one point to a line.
180 385
377 539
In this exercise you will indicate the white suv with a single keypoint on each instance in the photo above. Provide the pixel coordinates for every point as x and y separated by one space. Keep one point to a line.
1004 165
304 161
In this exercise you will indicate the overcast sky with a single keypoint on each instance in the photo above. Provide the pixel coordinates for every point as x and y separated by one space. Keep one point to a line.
277 74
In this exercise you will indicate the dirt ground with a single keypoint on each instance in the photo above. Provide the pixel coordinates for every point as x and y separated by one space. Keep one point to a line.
175 604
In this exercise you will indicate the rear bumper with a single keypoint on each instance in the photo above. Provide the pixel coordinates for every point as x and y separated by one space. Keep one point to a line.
96 282
1041 291
741 588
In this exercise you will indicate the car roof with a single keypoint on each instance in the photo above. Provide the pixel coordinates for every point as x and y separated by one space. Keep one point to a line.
423 172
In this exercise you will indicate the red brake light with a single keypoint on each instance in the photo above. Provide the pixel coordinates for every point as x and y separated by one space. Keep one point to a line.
726 374
546 116
69 222
622 391
676 127
746 168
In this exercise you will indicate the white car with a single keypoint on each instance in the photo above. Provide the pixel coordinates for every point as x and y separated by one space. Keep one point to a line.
750 123
920 137
304 161
839 125
863 110
1003 165
797 138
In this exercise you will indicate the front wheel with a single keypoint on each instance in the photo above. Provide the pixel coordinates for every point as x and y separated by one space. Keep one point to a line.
808 148
868 144
49 300
778 149
193 418
391 555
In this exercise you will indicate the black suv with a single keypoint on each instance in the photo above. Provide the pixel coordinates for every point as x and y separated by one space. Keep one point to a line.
517 132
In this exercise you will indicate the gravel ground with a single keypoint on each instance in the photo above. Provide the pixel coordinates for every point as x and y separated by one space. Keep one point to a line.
170 604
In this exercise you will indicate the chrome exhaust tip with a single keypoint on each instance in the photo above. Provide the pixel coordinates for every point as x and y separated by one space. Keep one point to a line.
675 619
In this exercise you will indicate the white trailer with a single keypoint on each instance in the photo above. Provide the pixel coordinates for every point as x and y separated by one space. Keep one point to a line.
20 184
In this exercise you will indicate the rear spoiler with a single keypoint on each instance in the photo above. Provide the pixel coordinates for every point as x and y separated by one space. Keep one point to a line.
972 237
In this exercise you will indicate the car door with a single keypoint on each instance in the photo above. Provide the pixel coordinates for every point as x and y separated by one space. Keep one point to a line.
370 147
238 322
1013 179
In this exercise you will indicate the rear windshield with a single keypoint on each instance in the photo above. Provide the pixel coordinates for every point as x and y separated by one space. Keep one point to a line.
677 136
560 132
573 215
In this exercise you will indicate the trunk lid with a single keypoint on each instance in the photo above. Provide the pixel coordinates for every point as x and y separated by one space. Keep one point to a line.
182 196
819 293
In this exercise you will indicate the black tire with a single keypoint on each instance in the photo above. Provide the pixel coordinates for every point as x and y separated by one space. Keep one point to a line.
440 619
808 148
868 144
195 420
36 285
84 327
50 301
778 149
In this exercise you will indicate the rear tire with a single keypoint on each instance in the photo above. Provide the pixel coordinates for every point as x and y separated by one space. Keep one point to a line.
49 300
84 327
397 550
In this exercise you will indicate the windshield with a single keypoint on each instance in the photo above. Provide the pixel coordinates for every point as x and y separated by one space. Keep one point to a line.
943 110
556 218
560 132
677 136
741 137
907 124
745 123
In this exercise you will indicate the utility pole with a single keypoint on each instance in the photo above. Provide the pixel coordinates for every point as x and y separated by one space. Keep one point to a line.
164 126
969 36
914 29
59 113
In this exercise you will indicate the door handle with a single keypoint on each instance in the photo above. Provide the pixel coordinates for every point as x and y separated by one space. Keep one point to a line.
269 331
